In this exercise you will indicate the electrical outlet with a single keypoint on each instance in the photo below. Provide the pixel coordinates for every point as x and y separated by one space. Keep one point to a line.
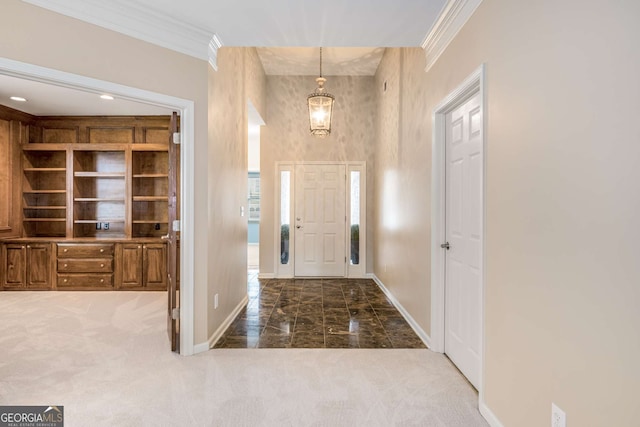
558 417
215 301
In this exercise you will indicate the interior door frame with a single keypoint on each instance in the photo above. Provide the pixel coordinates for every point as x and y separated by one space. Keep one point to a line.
473 84
186 108
351 271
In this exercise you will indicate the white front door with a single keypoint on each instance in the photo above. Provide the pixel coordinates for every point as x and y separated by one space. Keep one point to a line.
320 220
464 218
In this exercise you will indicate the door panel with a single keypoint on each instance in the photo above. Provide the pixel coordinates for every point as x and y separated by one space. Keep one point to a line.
155 272
320 220
464 219
39 266
15 265
131 266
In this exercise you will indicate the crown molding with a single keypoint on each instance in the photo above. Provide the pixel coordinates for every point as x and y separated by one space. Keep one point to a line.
453 16
129 18
214 45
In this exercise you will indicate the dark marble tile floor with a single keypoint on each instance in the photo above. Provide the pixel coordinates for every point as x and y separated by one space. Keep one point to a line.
318 313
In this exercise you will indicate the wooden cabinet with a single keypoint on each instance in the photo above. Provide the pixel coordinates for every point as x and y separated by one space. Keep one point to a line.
85 266
26 266
142 266
84 202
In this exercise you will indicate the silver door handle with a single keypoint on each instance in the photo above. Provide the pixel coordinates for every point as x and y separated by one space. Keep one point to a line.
445 246
165 237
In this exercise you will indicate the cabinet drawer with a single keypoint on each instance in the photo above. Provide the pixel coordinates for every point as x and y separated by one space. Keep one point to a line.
85 250
85 265
85 281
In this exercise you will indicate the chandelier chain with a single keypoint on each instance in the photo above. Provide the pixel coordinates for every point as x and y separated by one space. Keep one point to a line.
320 62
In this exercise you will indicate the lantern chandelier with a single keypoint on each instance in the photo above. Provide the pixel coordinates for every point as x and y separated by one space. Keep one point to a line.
320 107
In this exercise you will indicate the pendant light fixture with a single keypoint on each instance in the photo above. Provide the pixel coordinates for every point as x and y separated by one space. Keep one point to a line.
320 107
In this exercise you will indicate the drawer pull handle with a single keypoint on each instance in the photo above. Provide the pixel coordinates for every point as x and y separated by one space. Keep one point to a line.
101 250
29 246
65 280
101 280
101 265
66 250
65 266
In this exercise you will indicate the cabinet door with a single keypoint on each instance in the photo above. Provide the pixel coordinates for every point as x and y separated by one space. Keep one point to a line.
38 267
15 262
131 266
155 266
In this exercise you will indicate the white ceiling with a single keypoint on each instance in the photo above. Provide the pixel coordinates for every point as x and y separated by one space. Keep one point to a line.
189 26
49 100
299 23
287 34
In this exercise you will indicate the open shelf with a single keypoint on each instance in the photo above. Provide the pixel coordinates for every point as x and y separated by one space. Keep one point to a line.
44 169
150 198
99 174
99 199
44 193
50 208
152 175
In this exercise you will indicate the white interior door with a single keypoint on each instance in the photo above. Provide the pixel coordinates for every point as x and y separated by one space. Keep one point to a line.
320 220
464 218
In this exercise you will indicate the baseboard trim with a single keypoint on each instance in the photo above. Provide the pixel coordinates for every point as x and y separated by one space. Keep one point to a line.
489 415
266 276
201 348
223 327
410 320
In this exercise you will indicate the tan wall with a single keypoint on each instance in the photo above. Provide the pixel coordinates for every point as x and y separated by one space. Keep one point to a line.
240 77
37 36
286 138
562 208
402 182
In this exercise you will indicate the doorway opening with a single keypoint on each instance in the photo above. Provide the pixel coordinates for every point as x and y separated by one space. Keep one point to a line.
185 108
457 240
253 193
321 230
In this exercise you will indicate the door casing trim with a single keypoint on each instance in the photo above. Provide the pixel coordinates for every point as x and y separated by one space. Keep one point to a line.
473 84
283 272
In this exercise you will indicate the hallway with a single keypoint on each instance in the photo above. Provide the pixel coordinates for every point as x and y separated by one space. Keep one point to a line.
318 313
105 358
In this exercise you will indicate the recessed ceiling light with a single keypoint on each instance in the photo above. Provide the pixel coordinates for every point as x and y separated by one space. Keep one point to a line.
18 98
107 97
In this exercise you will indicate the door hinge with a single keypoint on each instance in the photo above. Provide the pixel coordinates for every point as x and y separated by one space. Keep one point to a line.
175 313
176 137
176 225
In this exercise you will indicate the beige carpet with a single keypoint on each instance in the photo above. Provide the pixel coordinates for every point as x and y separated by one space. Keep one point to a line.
104 356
